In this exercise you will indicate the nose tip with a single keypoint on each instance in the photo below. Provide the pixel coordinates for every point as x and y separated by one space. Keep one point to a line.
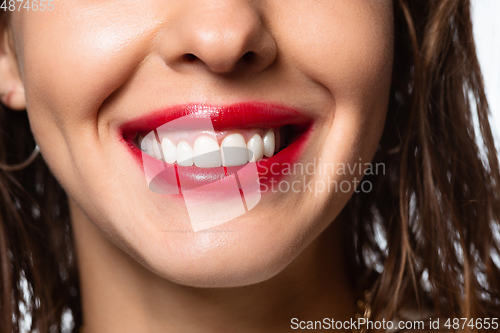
224 38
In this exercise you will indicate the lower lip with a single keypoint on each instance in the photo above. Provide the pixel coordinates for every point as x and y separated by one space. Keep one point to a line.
270 170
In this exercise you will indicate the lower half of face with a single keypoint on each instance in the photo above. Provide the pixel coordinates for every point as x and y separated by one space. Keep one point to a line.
211 140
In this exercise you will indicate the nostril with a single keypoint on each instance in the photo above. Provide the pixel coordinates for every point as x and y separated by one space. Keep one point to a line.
248 57
190 57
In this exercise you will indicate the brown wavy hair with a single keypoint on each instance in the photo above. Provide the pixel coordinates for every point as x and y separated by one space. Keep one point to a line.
437 208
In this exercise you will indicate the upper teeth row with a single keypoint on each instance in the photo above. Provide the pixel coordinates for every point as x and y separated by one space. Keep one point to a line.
206 152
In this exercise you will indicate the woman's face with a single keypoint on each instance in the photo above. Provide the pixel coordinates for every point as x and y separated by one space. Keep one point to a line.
99 73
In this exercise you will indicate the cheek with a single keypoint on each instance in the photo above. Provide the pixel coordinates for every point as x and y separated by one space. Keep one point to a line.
348 50
344 46
76 56
72 59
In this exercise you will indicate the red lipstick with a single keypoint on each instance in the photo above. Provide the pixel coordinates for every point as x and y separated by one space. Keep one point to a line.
226 117
242 115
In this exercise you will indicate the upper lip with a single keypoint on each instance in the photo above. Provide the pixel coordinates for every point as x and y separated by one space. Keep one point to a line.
224 117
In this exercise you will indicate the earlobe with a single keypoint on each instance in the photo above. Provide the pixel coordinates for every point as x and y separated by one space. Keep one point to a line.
11 86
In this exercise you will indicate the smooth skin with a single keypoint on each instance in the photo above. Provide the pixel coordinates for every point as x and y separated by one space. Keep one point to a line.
87 67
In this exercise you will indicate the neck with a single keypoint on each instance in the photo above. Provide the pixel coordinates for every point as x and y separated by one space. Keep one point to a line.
121 295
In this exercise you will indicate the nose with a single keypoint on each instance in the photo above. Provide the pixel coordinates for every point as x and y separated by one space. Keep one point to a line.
222 36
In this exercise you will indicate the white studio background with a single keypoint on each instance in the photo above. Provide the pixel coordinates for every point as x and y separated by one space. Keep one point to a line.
486 20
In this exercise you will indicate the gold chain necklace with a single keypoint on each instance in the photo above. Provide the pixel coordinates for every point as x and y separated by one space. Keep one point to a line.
364 311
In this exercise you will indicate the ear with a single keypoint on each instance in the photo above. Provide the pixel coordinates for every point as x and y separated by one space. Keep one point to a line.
11 85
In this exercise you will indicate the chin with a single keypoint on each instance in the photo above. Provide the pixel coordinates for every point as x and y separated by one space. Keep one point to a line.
223 258
216 274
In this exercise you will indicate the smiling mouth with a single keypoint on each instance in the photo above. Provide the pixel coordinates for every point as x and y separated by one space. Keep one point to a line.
234 135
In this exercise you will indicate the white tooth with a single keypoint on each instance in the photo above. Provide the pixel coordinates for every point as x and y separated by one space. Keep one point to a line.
149 146
142 143
269 143
255 148
234 150
156 149
206 152
169 151
184 154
